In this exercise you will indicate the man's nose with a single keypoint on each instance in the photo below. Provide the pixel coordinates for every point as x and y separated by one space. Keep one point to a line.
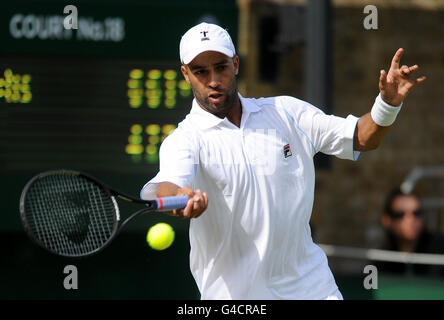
214 80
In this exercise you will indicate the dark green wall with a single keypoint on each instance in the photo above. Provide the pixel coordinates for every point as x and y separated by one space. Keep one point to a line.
128 268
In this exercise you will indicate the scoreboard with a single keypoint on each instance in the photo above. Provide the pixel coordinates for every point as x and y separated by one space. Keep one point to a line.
100 98
91 113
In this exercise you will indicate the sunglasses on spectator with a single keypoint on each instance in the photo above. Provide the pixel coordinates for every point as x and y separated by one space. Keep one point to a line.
400 214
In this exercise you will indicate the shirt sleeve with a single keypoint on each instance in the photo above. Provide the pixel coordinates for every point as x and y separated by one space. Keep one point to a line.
178 160
329 134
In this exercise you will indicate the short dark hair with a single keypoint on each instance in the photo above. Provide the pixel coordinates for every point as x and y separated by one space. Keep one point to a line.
394 193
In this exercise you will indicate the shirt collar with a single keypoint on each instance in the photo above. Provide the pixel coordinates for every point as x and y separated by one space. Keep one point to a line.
206 120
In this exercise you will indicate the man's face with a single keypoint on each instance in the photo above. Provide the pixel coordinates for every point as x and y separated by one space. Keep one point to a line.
406 220
212 76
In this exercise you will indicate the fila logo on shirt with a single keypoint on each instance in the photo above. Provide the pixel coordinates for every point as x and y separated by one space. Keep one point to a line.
204 36
287 151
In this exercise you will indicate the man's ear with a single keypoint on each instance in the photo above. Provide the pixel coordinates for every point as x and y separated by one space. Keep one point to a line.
184 70
236 64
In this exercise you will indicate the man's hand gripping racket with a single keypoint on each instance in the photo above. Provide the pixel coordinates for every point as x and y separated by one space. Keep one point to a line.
72 214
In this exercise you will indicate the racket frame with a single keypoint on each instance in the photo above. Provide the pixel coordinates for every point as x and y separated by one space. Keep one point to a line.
113 194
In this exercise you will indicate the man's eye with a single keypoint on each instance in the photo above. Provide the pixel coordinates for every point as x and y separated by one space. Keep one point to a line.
199 73
222 68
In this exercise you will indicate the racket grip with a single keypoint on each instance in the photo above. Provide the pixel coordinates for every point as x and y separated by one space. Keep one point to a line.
171 203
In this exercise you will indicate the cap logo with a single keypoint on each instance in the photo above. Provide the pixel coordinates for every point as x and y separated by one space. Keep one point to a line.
204 36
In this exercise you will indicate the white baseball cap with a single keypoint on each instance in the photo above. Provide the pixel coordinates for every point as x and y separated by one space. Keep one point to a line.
205 37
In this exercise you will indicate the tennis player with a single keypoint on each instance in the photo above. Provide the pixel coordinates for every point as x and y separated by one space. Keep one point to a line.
248 163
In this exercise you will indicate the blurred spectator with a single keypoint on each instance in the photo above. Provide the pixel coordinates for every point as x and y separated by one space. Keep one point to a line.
403 220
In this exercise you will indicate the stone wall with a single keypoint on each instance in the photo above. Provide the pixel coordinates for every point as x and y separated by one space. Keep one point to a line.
349 195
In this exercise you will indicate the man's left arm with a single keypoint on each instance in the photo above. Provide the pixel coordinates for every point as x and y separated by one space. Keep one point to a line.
394 87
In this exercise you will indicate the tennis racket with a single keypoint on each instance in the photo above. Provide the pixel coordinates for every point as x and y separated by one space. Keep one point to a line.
72 214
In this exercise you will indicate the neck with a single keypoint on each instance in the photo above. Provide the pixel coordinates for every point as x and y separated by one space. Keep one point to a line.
234 115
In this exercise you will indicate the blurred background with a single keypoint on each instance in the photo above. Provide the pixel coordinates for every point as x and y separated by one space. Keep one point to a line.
101 99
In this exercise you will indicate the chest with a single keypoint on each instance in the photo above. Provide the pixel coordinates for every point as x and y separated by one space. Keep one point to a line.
259 157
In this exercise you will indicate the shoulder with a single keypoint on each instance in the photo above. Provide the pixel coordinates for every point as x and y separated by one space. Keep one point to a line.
288 104
184 136
276 101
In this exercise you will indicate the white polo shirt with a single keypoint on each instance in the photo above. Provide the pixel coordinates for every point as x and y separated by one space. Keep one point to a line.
254 240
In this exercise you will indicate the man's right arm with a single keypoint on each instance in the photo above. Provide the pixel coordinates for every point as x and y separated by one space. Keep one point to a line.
167 189
178 161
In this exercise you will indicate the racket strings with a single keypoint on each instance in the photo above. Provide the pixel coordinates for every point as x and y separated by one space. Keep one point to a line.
69 214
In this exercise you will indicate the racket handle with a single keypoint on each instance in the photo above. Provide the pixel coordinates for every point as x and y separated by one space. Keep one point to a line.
171 203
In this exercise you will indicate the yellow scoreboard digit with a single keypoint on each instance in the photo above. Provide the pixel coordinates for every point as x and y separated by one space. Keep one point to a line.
15 88
156 89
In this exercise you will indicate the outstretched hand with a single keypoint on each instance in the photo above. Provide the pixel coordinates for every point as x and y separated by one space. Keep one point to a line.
395 85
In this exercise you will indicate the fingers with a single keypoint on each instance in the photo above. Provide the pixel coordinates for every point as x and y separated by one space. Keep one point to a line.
421 79
200 204
397 58
206 199
413 68
398 81
407 71
382 80
409 84
186 212
187 192
196 205
404 71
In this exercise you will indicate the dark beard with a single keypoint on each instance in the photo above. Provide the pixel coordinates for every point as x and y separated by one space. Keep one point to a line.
220 112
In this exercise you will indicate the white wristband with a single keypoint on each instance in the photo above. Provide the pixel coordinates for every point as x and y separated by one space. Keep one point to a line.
384 114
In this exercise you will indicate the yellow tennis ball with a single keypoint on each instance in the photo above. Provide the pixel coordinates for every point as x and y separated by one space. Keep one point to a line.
160 236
